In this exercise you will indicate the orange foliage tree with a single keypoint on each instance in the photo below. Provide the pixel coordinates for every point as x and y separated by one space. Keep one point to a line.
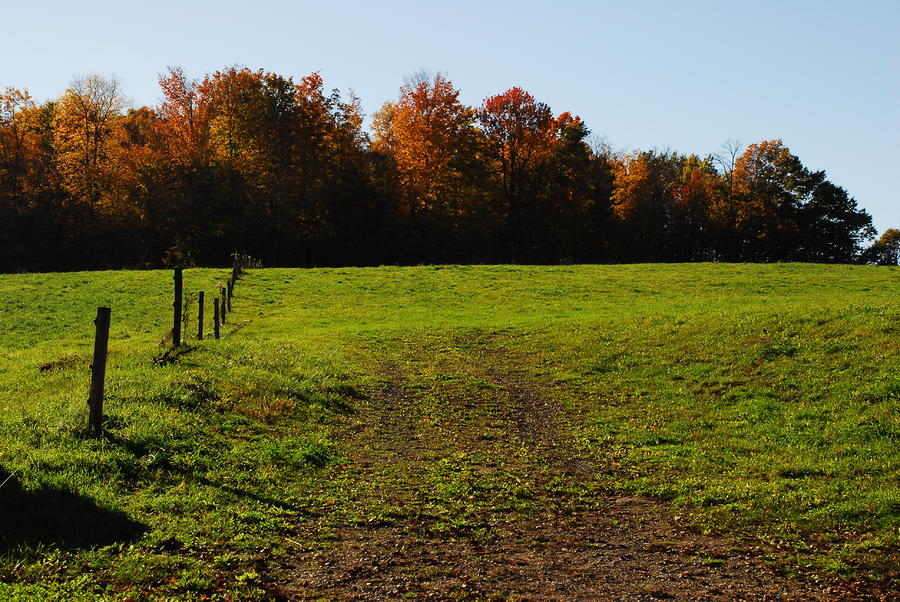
247 160
437 156
428 132
664 203
520 134
184 117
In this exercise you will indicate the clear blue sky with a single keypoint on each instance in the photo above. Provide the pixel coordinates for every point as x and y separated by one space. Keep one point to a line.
823 76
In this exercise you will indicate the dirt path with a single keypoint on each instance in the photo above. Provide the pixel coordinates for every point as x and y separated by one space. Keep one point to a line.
462 482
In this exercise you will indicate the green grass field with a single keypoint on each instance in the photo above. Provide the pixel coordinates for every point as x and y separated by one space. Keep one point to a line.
761 401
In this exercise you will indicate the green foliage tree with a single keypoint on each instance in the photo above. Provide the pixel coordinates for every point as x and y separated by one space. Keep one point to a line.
558 222
833 227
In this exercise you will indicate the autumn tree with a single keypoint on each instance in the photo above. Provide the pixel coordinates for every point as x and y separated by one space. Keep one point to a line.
692 234
189 213
277 167
771 185
253 161
222 144
53 165
83 125
184 117
664 201
15 106
885 250
784 211
333 179
559 226
426 132
139 155
641 200
599 224
520 134
430 136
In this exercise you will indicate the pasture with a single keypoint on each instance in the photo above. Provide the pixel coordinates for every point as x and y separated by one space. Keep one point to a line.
476 415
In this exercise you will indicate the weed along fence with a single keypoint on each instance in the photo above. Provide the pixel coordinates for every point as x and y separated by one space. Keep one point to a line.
174 339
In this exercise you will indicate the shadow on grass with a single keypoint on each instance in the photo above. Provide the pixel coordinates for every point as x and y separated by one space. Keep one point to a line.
58 519
139 450
337 399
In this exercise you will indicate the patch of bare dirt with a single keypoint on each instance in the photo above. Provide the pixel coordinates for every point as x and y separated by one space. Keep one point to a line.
564 546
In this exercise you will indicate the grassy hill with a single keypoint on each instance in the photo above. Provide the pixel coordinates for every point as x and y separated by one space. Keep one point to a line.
760 401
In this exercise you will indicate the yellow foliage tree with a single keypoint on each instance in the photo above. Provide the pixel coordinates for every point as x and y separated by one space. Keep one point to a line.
82 133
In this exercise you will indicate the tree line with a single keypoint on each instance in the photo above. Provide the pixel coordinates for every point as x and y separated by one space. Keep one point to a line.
254 162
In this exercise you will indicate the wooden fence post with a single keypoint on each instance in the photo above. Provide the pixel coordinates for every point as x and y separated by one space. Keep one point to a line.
216 317
200 315
222 310
230 293
176 323
98 369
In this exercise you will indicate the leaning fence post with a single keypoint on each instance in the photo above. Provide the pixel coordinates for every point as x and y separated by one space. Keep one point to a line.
200 315
98 369
176 323
216 317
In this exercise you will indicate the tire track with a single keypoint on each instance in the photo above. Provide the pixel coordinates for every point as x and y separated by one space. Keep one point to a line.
531 521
